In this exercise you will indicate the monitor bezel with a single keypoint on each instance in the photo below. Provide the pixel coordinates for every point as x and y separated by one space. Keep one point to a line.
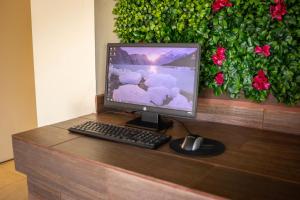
144 108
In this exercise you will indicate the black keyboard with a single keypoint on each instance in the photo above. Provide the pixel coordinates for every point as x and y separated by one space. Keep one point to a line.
133 136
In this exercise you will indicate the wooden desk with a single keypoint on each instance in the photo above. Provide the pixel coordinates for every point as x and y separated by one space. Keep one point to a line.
256 165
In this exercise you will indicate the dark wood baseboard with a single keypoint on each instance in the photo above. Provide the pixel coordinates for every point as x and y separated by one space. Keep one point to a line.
268 116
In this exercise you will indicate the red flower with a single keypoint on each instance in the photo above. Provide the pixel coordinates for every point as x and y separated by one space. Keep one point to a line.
264 50
216 60
221 50
219 56
261 81
219 78
219 4
278 10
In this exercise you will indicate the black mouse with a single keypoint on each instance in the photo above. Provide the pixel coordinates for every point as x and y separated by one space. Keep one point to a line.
192 142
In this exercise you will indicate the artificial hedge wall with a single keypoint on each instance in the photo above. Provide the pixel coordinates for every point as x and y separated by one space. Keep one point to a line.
249 47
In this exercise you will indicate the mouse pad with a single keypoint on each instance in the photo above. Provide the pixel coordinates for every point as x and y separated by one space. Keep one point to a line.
208 147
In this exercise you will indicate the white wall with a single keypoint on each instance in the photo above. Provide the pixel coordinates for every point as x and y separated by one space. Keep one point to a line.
64 58
104 25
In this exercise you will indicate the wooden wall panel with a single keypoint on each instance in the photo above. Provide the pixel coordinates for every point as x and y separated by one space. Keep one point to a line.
268 116
209 94
99 103
284 121
224 111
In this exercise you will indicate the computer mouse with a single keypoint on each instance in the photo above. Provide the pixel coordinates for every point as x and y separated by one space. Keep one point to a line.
192 142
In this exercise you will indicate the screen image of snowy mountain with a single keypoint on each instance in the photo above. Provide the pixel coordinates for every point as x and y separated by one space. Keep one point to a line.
159 77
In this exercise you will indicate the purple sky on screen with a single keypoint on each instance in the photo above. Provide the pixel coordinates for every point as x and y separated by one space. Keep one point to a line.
157 50
153 53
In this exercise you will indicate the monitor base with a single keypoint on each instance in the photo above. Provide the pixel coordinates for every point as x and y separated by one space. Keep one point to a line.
150 121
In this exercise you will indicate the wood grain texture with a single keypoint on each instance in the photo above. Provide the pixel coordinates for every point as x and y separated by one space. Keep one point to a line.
248 186
16 191
276 117
99 101
46 136
233 113
93 180
242 112
62 174
284 121
257 164
258 151
8 177
13 185
40 190
271 100
69 123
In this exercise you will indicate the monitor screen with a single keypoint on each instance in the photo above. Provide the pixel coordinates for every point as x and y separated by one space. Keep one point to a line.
157 77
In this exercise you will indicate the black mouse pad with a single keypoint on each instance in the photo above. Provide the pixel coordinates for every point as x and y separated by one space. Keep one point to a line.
208 147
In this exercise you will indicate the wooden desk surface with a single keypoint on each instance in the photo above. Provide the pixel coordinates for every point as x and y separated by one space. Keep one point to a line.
257 164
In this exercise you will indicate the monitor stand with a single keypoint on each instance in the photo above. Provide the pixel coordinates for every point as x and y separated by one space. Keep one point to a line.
150 121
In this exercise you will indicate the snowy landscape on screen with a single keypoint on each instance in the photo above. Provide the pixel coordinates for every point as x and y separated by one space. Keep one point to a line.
158 77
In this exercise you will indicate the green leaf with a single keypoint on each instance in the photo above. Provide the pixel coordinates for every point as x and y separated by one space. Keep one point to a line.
239 29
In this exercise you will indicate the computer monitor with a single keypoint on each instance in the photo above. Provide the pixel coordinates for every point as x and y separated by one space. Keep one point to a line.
155 79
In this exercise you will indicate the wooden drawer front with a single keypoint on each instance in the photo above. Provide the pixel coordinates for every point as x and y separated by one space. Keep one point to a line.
82 179
39 190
